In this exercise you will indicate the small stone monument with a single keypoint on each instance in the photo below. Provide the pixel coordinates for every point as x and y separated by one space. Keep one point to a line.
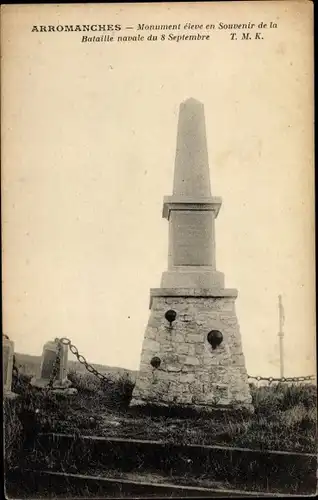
192 350
49 356
7 366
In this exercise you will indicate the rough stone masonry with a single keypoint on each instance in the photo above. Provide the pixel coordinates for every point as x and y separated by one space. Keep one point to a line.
192 349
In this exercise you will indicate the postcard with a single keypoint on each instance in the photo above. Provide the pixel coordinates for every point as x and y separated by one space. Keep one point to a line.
158 249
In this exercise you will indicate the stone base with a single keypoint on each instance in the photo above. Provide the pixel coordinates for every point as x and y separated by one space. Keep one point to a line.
245 408
197 277
191 372
43 383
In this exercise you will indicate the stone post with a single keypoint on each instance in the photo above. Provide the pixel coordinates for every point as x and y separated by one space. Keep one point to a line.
7 366
47 364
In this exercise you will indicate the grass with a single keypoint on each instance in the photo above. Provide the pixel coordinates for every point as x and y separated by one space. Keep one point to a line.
285 419
13 433
285 416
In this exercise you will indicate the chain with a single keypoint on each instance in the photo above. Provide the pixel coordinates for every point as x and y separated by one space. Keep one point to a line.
283 379
81 359
57 363
65 341
91 369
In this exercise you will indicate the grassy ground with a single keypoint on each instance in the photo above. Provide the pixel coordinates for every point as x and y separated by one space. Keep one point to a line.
284 419
285 416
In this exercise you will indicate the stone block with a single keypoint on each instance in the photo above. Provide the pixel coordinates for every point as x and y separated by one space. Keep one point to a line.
175 387
198 349
150 345
145 366
7 366
211 360
53 355
169 300
162 386
182 348
186 378
166 348
238 359
184 388
220 391
205 377
179 337
192 349
152 333
196 387
192 360
186 399
229 320
185 317
188 368
210 398
194 338
201 321
173 367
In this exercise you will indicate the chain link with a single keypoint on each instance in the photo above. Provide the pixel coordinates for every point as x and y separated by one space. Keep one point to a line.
283 379
81 359
57 364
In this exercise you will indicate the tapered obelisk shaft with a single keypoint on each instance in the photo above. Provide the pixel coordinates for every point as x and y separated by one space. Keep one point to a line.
191 173
191 210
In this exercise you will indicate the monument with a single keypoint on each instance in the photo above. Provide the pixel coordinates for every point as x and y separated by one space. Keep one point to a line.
192 350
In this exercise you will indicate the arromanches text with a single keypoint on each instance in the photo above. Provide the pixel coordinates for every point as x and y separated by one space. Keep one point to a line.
76 27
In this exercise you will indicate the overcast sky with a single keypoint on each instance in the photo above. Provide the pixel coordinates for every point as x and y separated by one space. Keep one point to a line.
89 144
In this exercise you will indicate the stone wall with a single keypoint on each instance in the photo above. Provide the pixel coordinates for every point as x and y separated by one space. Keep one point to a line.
191 371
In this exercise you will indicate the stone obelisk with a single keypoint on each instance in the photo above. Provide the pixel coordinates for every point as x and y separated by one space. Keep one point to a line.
192 350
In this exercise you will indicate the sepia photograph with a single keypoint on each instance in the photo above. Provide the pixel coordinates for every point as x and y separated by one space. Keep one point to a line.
158 290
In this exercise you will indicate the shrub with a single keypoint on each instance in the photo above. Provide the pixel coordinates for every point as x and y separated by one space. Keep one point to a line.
21 383
305 395
125 387
281 397
20 420
85 382
116 390
13 433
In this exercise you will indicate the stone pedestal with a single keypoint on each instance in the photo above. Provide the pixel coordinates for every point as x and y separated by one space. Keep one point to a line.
191 371
7 366
47 364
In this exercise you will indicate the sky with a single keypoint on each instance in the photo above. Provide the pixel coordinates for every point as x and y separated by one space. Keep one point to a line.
89 138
